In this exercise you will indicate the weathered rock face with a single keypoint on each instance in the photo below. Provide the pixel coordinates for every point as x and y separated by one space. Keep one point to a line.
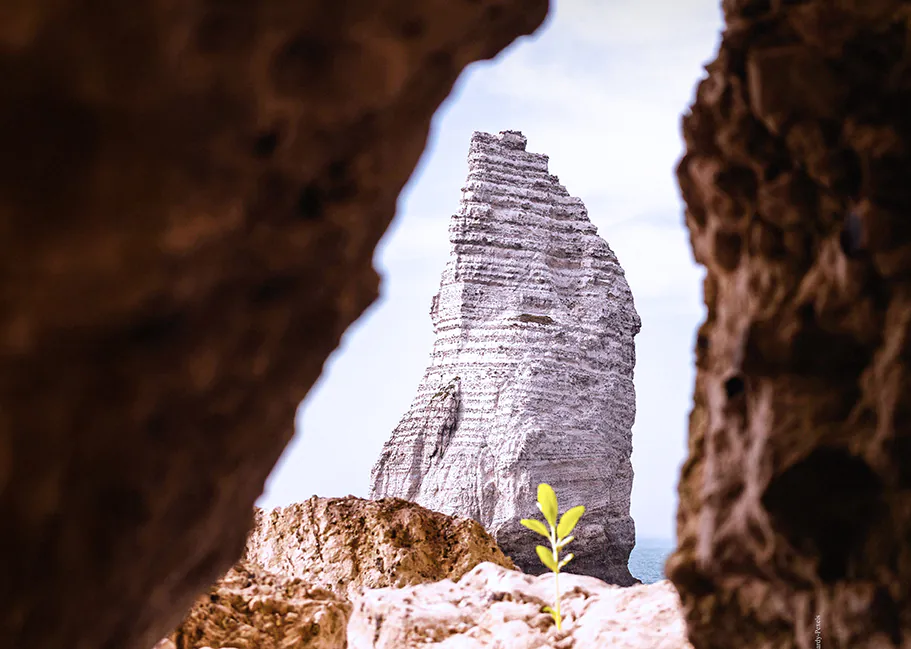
795 502
531 375
190 197
492 608
250 608
304 563
348 544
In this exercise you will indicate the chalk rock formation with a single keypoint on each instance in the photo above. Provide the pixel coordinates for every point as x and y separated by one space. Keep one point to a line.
347 544
190 198
531 375
251 608
492 608
795 502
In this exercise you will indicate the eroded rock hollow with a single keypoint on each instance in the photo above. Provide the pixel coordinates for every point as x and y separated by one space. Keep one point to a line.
795 502
190 198
531 375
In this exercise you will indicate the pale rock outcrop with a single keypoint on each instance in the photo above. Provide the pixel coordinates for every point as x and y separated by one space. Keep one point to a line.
531 375
347 544
494 608
250 608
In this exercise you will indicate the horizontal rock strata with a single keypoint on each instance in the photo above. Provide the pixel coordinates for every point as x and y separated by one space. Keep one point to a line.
494 608
531 375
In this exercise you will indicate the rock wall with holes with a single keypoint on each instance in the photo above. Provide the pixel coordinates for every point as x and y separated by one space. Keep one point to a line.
531 375
795 501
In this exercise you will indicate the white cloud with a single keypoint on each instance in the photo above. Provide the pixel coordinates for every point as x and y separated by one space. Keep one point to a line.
649 24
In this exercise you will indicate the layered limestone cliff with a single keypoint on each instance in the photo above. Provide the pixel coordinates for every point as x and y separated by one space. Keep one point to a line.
531 375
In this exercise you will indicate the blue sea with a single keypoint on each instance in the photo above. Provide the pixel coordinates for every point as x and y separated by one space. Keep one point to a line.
646 561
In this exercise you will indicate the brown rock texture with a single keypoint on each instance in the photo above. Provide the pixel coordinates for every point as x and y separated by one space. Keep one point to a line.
347 544
494 608
190 197
249 608
795 501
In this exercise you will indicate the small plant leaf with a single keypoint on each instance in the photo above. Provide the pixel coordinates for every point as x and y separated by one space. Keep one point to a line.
541 509
562 544
566 559
568 520
536 526
547 503
547 557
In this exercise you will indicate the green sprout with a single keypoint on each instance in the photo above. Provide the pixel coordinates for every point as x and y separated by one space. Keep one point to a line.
559 538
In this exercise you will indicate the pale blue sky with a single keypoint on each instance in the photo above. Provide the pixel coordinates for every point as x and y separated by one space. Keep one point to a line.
600 89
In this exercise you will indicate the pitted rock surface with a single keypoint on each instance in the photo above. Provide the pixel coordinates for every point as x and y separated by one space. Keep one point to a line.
251 608
531 375
494 608
795 501
190 198
347 544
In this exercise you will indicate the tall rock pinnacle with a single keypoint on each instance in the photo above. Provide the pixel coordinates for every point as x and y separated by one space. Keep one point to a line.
531 375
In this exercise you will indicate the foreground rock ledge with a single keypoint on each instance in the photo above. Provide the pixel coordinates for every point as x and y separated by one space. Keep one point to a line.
795 502
493 608
190 197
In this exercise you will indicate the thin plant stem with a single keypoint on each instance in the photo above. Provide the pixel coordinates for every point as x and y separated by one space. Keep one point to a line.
553 545
557 589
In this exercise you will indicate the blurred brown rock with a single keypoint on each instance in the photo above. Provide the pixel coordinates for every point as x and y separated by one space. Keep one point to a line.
795 501
190 198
